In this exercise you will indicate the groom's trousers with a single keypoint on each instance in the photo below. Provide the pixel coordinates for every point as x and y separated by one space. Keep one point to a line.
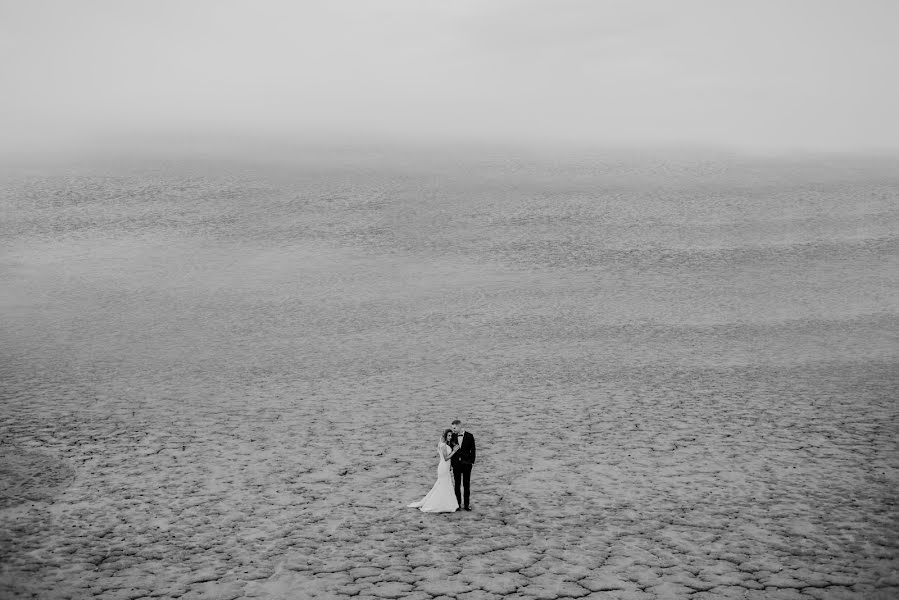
462 476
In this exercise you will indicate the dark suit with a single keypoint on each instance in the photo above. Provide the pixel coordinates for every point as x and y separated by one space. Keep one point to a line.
462 462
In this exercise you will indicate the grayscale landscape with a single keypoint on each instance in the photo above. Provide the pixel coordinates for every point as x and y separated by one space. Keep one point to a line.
254 259
226 380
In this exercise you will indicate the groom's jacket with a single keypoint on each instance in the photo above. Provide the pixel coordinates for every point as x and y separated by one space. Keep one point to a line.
466 454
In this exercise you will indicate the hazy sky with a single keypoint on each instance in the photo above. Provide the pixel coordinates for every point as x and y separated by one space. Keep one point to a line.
782 74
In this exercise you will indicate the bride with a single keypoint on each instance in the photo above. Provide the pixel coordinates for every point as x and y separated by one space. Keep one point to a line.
442 497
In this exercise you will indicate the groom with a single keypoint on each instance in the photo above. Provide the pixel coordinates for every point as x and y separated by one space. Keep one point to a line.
462 461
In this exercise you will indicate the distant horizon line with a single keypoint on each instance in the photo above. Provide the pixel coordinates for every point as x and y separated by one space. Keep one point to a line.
237 142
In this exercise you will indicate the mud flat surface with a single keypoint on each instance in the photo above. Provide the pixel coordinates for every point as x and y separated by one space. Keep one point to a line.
229 386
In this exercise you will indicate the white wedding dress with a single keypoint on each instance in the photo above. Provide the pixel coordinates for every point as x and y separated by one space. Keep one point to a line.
442 497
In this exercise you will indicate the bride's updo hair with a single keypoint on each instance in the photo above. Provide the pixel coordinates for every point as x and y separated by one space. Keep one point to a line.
443 437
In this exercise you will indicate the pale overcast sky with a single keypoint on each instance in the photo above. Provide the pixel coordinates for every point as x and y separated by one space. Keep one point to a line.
781 74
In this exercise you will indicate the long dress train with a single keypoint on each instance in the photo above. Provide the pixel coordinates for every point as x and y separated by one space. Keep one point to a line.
442 497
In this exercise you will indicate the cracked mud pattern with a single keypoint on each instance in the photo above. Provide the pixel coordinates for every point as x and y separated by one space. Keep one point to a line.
197 417
599 496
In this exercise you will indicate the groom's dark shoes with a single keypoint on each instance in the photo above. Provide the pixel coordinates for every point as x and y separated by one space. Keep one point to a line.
467 508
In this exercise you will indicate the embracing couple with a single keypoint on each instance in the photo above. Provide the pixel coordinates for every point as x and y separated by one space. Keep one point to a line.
457 454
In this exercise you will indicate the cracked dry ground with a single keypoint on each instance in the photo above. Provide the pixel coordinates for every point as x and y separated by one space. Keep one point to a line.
583 489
